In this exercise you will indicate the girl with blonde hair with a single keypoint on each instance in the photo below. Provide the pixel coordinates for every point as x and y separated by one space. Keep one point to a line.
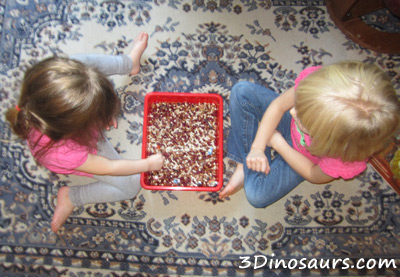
325 127
64 106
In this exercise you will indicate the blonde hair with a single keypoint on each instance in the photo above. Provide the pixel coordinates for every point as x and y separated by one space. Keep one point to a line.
350 110
64 99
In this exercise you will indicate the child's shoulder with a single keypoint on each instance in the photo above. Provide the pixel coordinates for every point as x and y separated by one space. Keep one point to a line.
338 169
64 148
307 71
303 74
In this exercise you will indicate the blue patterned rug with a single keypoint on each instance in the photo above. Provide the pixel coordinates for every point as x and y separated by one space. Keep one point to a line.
342 228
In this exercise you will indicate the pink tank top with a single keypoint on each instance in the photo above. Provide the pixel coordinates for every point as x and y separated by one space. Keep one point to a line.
64 157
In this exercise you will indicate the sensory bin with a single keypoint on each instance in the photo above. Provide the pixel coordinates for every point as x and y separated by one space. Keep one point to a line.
187 128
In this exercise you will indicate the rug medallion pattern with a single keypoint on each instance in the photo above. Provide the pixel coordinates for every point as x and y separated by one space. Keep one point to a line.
194 46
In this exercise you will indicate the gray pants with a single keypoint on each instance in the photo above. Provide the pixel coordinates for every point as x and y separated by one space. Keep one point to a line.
106 188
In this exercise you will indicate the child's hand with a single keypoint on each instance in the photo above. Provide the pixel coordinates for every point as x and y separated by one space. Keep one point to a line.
155 161
257 161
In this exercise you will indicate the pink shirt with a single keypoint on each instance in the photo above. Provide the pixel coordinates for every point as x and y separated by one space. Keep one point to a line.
64 157
333 167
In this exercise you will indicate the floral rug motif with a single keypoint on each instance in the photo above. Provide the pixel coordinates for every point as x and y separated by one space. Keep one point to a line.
194 46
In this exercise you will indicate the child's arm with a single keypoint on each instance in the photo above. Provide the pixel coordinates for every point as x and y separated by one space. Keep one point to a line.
256 159
301 164
100 165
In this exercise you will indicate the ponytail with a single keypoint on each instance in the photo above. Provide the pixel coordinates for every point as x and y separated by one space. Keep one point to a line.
18 121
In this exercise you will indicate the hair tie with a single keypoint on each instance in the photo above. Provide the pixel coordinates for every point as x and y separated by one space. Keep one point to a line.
18 109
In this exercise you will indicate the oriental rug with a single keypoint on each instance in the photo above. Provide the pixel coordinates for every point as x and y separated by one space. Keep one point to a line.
341 228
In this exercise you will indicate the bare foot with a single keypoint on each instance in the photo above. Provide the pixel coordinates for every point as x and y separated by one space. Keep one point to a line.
235 184
63 210
139 45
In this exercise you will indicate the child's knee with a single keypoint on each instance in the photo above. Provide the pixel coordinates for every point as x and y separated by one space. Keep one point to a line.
260 193
258 200
134 185
240 89
239 95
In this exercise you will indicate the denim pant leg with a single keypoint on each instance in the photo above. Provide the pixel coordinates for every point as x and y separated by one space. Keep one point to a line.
248 103
107 64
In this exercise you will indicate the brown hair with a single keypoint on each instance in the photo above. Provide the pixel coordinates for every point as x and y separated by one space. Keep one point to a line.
64 99
350 110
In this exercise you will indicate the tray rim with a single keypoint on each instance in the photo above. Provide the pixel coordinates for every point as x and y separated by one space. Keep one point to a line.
188 96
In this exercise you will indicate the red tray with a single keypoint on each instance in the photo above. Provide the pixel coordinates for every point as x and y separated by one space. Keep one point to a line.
175 97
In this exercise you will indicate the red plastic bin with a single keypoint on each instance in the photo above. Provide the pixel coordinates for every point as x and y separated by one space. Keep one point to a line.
175 97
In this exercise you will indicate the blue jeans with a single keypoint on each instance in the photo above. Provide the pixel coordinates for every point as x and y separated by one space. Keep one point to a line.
248 102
